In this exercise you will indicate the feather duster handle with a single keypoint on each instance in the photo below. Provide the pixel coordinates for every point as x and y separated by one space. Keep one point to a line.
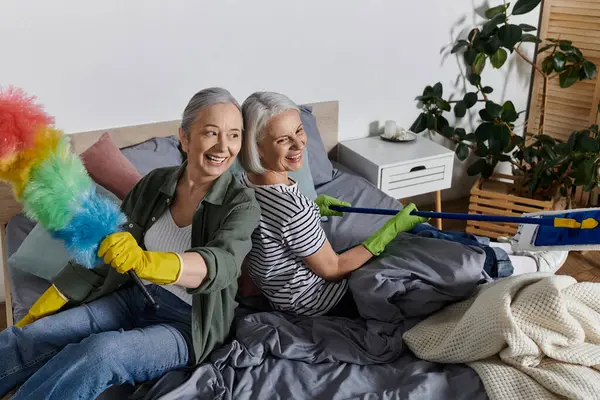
50 180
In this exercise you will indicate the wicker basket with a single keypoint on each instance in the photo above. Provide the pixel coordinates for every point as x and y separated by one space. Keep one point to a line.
496 196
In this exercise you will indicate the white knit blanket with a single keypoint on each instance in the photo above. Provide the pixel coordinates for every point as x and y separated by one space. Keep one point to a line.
534 336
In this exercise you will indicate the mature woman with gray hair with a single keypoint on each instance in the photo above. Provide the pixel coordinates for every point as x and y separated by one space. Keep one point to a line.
187 233
291 261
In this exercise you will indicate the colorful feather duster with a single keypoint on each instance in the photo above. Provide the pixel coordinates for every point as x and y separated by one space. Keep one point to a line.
50 180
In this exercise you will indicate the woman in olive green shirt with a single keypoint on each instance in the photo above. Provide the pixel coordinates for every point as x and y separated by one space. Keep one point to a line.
188 231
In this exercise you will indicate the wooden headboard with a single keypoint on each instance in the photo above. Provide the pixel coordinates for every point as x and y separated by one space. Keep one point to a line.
326 114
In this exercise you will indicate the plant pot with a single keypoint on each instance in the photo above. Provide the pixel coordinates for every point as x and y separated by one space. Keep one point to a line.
497 196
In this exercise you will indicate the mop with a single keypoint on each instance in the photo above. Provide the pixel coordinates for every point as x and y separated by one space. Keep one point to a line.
547 230
52 183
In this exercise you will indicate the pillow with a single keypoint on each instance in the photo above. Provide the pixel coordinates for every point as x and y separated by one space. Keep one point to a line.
108 167
303 176
42 255
154 153
320 167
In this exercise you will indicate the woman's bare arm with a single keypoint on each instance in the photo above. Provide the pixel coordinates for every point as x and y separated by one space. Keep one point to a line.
332 266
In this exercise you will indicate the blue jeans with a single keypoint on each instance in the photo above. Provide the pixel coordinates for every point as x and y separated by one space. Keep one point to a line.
80 352
497 263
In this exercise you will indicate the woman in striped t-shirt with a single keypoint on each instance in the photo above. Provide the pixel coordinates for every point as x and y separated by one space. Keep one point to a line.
291 261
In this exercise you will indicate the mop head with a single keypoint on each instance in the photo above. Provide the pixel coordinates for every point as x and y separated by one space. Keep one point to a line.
542 237
50 180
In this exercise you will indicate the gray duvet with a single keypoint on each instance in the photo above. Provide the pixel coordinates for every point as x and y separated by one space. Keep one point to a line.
276 356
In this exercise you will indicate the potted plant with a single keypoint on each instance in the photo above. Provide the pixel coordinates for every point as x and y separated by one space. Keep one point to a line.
543 167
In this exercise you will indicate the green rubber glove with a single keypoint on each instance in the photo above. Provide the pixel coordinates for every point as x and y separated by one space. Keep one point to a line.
324 201
401 222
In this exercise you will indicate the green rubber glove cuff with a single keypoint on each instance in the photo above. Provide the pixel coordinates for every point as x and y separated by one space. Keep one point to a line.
401 222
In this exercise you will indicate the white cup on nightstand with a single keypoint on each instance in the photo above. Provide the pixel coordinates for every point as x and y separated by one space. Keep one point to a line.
390 128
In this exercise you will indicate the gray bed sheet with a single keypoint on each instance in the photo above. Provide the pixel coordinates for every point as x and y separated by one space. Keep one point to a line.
277 356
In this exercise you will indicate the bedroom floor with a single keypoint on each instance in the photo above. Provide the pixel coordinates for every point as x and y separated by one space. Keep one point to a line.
583 267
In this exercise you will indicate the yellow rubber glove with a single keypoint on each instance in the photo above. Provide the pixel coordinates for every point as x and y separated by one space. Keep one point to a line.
49 303
401 222
324 201
122 252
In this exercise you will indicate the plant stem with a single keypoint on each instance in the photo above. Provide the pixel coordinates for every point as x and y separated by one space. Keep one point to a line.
543 113
528 61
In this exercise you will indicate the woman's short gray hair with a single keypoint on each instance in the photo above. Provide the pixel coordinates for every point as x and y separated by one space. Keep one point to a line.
205 97
258 109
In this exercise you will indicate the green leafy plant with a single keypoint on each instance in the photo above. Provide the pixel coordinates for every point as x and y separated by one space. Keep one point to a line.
547 165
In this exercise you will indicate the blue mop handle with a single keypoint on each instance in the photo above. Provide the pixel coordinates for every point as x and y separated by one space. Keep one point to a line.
444 215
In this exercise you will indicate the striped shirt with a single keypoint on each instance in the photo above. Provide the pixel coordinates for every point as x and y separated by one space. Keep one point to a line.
289 230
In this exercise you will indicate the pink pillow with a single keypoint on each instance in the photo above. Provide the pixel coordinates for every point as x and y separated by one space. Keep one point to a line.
109 168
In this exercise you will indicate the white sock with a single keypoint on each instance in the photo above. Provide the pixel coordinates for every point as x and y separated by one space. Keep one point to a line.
523 264
504 246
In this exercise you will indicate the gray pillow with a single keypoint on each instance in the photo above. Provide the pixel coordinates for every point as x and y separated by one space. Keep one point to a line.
320 166
154 153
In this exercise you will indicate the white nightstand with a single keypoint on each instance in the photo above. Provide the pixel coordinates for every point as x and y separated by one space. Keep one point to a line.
401 169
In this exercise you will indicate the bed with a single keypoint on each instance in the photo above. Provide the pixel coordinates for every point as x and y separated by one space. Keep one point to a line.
276 356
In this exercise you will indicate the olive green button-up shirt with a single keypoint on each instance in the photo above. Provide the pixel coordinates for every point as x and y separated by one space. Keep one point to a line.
221 233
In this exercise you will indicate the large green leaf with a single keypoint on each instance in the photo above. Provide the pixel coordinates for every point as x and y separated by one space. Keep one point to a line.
481 150
484 131
485 115
494 109
442 104
462 151
587 144
489 26
470 56
527 28
499 139
430 121
460 109
459 45
548 65
590 69
566 45
438 89
544 48
529 38
509 114
420 123
470 99
559 61
492 12
477 167
492 45
510 35
585 172
474 79
479 63
499 58
524 6
448 132
570 76
441 123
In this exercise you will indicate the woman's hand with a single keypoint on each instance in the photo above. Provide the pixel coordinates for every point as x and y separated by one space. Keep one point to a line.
122 252
324 201
401 222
